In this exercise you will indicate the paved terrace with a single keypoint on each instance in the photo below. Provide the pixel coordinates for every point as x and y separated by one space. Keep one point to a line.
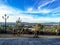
27 36
9 39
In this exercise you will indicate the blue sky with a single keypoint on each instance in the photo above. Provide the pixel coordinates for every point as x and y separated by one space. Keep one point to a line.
34 11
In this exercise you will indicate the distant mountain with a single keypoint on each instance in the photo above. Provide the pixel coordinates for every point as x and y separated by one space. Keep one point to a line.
7 23
27 23
50 23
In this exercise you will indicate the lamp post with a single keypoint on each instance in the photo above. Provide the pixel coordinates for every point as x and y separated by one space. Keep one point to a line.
5 17
18 21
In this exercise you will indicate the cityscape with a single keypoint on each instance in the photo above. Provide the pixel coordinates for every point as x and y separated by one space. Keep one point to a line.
29 28
29 22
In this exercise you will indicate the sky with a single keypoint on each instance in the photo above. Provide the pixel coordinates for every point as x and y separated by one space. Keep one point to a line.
32 11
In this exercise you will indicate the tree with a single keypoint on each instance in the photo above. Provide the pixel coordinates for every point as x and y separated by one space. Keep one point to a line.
37 27
58 29
19 26
9 29
52 30
1 28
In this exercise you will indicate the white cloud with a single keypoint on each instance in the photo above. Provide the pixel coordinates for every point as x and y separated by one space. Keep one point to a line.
39 7
39 10
55 12
14 14
5 10
46 19
30 9
43 11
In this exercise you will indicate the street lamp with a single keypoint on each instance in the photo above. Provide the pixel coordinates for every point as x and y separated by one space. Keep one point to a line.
5 17
18 21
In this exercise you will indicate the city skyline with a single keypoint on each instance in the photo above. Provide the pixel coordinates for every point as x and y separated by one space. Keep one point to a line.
33 11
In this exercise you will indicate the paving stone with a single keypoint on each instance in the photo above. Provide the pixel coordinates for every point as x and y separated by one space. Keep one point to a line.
30 41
